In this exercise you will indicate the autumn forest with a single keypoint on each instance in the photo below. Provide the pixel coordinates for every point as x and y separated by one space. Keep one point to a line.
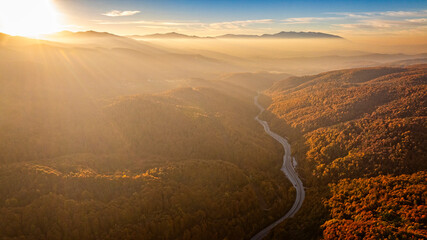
213 120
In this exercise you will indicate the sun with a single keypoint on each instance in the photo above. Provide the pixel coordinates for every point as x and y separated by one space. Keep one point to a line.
29 18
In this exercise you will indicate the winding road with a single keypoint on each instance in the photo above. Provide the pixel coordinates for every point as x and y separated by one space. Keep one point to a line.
288 170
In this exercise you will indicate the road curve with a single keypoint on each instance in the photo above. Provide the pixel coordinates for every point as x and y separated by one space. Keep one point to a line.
288 170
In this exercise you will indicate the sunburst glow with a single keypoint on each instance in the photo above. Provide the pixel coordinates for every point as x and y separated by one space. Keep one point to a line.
28 17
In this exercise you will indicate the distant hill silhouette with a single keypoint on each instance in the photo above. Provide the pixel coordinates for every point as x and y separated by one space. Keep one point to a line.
280 35
284 35
168 35
90 33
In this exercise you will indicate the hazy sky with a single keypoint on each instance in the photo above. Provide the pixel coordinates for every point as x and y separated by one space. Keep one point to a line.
249 16
359 18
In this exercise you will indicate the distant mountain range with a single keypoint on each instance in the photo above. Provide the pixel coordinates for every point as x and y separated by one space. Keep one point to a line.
87 34
175 35
285 35
280 35
167 35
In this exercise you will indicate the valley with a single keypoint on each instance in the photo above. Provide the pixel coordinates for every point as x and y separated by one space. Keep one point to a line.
288 169
108 137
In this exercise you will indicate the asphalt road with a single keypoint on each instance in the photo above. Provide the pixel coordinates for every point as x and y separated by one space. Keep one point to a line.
288 170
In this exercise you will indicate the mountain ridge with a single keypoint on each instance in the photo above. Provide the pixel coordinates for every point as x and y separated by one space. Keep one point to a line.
279 35
285 35
169 35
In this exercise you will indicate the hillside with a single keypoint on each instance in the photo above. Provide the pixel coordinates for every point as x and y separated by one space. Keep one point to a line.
66 153
378 207
204 121
355 123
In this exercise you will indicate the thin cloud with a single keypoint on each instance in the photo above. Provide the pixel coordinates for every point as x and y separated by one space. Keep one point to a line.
387 21
305 20
419 20
421 13
246 22
139 22
194 25
376 24
238 24
351 15
117 13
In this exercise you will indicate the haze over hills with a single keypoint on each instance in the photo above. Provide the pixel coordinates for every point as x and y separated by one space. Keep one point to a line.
110 64
285 35
171 35
280 35
208 62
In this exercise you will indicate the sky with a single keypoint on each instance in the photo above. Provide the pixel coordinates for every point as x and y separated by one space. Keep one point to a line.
209 18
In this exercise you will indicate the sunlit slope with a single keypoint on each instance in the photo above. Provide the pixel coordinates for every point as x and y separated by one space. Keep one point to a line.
372 116
356 124
385 205
47 117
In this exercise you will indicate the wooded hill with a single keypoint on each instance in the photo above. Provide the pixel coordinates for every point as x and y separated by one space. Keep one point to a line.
364 124
189 163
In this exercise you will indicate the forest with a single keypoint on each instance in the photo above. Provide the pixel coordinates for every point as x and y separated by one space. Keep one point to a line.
360 137
187 163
